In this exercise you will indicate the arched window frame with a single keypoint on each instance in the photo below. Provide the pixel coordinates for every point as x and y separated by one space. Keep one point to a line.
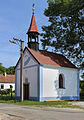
61 81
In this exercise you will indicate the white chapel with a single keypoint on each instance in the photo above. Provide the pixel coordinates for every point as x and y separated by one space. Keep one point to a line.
47 76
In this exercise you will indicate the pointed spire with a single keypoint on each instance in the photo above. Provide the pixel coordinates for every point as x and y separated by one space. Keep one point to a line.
33 26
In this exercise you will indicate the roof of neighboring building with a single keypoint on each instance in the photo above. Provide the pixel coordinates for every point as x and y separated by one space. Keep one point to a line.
50 58
7 79
33 26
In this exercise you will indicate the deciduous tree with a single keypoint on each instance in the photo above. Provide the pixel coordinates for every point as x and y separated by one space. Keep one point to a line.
65 33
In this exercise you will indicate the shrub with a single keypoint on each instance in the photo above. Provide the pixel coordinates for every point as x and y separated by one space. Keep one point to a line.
81 88
4 92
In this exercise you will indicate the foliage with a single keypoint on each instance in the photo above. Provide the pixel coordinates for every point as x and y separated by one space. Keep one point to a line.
82 76
2 69
65 33
82 85
10 70
5 95
81 88
4 92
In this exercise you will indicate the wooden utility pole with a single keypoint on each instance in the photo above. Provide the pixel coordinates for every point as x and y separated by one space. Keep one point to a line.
20 43
21 73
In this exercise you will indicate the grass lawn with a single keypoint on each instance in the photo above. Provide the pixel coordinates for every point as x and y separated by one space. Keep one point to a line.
59 104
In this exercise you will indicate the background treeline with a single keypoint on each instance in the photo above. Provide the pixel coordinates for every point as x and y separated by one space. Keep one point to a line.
10 70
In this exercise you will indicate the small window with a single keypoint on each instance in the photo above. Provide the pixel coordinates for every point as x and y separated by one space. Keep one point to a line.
61 81
2 86
11 86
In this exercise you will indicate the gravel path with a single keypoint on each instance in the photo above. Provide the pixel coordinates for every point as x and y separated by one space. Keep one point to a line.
78 103
8 117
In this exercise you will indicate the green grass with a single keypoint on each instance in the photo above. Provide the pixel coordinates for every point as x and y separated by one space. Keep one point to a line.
54 103
58 104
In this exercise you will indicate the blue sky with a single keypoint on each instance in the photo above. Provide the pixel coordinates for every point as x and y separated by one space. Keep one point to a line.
15 17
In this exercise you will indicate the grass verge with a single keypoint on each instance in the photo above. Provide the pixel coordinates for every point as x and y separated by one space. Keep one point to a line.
57 104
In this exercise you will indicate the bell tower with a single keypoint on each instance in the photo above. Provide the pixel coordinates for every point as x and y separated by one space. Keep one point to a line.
33 33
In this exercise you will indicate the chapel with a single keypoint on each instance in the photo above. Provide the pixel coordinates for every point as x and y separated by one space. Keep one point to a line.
47 76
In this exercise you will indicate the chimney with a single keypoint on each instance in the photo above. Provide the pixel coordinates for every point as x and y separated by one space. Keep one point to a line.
5 74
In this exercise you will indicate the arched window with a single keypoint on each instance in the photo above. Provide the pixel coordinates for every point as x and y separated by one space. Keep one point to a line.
61 82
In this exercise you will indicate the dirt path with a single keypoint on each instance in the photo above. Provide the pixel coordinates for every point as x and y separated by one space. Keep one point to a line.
8 117
18 112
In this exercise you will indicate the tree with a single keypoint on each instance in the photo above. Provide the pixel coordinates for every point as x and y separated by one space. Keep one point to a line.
2 69
65 33
10 70
82 76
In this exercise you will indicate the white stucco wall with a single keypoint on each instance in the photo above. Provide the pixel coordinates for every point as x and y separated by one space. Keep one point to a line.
44 79
51 82
30 72
7 85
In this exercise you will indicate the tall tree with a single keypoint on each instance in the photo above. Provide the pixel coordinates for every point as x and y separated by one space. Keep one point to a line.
65 33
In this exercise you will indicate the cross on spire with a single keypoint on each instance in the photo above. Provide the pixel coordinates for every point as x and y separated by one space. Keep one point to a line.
33 7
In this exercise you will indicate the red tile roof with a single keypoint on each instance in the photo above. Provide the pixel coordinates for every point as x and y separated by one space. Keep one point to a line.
33 26
7 79
50 58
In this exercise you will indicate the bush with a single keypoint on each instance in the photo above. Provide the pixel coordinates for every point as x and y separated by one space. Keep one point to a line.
5 92
81 88
82 85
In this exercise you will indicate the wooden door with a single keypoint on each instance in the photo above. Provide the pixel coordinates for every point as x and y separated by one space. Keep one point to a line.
26 91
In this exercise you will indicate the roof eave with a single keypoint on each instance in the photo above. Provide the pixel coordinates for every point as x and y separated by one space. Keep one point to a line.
54 66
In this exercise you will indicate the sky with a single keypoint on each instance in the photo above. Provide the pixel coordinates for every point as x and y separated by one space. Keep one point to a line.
15 18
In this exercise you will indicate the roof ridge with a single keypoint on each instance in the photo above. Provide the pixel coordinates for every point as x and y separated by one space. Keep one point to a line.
52 52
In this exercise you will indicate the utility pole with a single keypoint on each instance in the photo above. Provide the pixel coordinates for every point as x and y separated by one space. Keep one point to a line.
20 43
21 73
